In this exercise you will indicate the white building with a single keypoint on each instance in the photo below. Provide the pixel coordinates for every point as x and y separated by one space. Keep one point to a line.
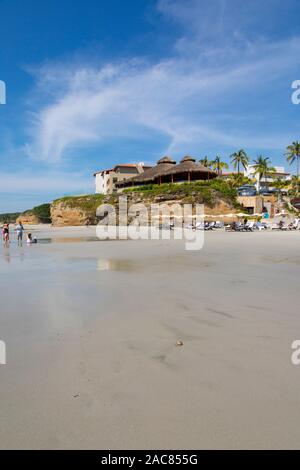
105 180
266 182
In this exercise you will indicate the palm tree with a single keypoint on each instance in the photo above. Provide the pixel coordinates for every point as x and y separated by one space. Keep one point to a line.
206 162
239 158
236 180
279 184
294 186
218 165
262 168
292 154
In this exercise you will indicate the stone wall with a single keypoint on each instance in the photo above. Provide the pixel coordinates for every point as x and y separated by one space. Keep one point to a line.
252 202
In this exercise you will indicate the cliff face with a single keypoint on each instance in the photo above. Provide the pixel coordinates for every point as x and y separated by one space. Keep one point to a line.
28 218
76 211
37 215
221 207
63 215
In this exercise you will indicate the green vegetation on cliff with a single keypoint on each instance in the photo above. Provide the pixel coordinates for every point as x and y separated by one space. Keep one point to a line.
88 202
42 213
10 217
206 192
201 192
81 210
76 210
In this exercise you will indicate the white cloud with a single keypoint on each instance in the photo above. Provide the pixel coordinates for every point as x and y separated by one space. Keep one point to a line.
182 96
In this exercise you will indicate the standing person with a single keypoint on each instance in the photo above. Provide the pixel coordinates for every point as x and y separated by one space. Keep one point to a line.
19 229
5 233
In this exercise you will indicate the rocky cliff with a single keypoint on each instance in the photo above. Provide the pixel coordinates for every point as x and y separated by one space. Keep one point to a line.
28 218
75 211
37 215
217 199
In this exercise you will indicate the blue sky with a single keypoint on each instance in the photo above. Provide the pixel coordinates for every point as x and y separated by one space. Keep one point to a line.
98 82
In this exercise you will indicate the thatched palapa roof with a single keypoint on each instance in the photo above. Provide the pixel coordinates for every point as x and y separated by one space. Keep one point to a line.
166 170
164 164
189 165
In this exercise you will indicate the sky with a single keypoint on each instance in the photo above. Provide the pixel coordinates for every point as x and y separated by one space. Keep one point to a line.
93 83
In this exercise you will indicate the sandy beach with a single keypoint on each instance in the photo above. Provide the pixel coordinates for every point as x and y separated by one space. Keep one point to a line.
91 330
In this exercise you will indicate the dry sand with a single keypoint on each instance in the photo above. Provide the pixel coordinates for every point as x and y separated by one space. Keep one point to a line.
91 331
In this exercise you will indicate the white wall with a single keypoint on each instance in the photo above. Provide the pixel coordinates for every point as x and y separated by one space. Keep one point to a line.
101 183
249 172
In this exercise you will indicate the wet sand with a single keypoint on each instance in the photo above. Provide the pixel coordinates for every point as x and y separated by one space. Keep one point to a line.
91 330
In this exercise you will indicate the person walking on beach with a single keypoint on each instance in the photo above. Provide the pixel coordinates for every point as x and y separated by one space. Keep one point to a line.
20 229
5 234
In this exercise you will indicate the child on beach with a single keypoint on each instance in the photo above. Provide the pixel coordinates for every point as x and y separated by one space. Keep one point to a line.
31 240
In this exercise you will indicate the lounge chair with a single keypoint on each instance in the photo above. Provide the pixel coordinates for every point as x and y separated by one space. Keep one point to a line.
249 226
219 224
283 226
199 226
237 227
260 226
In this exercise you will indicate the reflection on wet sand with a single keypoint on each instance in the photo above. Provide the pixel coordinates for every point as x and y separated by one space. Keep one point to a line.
67 240
6 254
115 265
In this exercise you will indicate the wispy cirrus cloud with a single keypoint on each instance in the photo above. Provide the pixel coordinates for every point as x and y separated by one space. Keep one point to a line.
185 96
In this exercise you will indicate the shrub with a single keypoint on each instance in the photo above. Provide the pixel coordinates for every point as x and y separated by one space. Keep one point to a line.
205 191
9 217
88 202
42 212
